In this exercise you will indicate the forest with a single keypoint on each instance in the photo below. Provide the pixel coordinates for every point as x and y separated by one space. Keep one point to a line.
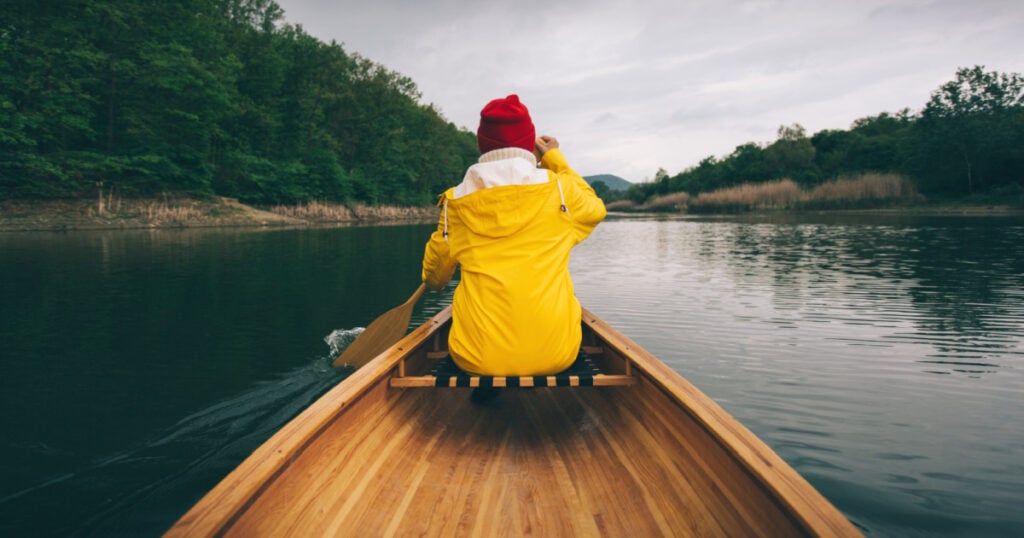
222 97
967 140
204 97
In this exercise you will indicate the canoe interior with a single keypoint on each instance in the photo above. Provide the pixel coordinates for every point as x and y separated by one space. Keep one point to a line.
616 461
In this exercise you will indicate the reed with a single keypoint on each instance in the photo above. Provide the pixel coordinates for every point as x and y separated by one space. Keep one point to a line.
621 205
867 190
676 201
863 191
317 211
152 212
163 212
779 194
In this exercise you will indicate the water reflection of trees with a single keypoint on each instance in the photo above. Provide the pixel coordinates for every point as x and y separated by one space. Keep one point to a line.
958 282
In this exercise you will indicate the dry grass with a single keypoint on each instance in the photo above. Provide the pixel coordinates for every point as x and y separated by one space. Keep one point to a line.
322 212
677 201
114 212
868 189
315 211
621 205
749 196
163 212
864 191
184 211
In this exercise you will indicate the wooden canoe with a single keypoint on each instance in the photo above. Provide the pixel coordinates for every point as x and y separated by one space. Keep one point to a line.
387 453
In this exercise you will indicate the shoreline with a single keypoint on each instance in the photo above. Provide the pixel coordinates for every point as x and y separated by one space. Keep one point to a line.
182 213
965 210
220 212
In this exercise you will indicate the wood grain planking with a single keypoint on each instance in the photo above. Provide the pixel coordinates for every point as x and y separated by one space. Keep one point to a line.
577 506
519 490
663 464
736 495
800 499
655 458
547 460
750 508
715 485
601 485
305 486
463 464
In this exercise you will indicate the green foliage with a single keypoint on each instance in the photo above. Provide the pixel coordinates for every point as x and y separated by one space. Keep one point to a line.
208 97
602 190
969 138
971 133
792 155
219 97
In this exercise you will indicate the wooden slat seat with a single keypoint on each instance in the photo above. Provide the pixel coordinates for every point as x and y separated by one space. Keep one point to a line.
583 373
658 458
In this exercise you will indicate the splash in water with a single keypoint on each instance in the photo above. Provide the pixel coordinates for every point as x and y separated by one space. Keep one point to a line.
340 339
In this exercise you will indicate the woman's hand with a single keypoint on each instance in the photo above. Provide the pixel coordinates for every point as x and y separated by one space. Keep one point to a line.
544 144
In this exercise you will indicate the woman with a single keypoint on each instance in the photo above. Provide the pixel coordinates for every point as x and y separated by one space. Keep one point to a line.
510 225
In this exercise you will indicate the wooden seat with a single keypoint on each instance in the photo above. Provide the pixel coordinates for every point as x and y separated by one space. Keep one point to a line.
583 373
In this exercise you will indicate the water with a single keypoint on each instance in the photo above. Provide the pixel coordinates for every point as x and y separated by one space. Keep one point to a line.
881 357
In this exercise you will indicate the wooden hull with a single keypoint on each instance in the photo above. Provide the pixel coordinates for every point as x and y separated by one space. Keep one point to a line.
654 457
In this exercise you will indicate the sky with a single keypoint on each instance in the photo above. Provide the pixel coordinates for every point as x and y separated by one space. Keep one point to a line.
632 86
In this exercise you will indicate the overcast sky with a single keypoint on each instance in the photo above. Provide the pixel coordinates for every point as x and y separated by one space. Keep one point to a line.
630 86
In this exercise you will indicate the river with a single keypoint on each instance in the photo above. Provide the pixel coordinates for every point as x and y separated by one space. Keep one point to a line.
881 356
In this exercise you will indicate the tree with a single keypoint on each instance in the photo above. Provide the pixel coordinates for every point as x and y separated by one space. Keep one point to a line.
602 190
971 132
208 96
878 143
792 155
48 65
746 164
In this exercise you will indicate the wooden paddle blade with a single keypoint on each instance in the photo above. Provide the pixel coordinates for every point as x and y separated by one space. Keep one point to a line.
384 331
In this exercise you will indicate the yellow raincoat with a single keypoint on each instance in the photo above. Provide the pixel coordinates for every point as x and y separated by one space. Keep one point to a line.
511 225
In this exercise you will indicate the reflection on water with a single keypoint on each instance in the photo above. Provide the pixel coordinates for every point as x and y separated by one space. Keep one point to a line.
129 491
139 367
881 357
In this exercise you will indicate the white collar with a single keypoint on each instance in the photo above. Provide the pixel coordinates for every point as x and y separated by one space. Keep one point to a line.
501 167
508 153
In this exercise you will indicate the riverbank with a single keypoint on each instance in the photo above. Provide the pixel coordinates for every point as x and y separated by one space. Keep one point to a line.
965 210
114 214
68 215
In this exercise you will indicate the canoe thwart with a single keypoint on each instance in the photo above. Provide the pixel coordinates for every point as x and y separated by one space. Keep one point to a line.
659 458
583 373
602 380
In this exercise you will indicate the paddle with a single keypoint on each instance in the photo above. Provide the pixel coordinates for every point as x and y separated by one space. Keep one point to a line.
381 333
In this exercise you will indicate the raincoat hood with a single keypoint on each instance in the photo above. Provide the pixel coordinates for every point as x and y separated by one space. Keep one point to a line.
501 194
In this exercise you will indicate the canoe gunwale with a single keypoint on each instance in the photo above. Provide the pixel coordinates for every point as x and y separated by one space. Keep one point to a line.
814 513
216 511
229 500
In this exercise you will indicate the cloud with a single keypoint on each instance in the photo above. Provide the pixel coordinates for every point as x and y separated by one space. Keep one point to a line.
631 86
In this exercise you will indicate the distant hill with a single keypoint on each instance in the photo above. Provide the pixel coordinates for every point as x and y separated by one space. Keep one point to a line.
614 183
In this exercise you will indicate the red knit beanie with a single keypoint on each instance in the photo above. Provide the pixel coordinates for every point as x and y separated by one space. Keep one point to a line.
505 123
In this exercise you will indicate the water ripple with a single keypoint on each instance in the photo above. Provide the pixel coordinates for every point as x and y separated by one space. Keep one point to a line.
882 361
